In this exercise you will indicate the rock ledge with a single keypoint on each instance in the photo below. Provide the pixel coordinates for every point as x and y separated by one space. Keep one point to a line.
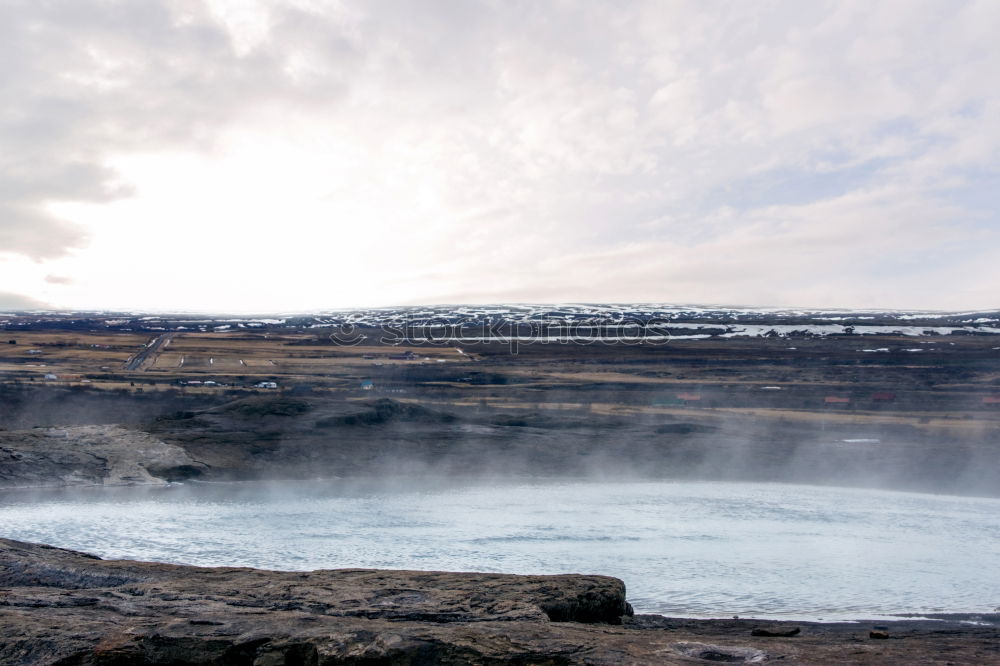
61 607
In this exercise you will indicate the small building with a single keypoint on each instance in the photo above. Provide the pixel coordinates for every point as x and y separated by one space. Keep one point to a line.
266 385
836 400
689 397
883 396
367 385
51 376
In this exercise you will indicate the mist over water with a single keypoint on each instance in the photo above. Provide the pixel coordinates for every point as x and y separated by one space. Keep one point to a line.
684 549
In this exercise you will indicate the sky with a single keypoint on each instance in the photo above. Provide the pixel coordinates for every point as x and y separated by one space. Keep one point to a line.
289 155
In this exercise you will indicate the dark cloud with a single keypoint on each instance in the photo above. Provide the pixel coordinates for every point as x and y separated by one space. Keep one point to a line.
27 230
10 301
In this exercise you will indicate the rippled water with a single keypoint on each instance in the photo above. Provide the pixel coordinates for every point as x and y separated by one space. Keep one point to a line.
689 549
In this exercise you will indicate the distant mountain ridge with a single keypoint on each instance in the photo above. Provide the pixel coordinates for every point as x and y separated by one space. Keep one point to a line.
546 320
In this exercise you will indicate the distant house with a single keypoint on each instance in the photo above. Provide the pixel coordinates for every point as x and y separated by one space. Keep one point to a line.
368 357
51 376
367 385
836 400
883 396
689 397
266 385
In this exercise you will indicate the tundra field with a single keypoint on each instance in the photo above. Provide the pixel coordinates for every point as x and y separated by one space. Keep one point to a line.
896 410
935 381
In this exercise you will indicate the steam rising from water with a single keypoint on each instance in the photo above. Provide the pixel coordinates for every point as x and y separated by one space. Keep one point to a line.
688 549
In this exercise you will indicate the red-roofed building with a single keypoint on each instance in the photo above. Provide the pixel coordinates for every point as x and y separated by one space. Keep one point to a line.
836 400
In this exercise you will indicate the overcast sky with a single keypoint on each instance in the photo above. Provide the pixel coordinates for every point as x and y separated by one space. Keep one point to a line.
288 155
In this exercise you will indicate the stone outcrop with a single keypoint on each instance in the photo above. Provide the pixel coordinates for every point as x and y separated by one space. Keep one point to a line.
89 455
63 607
367 593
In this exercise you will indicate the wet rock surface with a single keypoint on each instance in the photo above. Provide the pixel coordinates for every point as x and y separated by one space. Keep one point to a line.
64 607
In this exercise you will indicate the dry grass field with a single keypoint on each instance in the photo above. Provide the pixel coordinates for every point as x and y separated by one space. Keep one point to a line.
949 384
70 356
228 359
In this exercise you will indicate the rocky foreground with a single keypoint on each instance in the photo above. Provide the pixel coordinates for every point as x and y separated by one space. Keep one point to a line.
63 607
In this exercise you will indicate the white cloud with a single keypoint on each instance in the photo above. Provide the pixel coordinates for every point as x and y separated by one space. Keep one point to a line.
373 153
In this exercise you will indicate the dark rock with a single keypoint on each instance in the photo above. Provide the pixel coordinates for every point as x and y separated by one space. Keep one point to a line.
398 595
780 632
723 654
261 407
63 607
181 614
377 412
684 428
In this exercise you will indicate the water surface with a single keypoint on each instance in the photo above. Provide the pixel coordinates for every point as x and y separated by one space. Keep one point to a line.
687 549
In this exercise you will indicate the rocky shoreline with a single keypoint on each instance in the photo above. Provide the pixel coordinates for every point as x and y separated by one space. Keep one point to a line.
64 607
280 437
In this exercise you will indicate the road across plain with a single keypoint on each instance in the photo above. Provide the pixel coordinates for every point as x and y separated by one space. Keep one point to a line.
136 362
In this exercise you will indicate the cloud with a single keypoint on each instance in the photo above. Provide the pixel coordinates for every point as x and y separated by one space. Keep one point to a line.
785 151
32 232
87 80
9 301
